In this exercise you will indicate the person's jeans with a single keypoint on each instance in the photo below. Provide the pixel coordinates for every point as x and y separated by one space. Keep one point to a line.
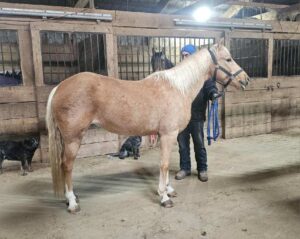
194 128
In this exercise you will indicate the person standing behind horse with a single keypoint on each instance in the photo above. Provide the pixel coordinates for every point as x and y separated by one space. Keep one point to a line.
208 92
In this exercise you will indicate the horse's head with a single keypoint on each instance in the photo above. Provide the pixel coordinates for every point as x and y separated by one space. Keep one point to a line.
225 70
159 61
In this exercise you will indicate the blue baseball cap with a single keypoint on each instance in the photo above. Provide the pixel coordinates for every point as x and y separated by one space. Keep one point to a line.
190 49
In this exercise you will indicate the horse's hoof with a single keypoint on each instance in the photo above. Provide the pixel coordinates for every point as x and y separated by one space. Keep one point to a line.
77 200
167 204
74 210
172 194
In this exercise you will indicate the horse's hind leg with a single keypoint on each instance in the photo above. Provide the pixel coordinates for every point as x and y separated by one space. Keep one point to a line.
70 151
164 188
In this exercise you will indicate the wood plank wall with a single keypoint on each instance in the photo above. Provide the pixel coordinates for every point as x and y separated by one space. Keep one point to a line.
285 103
268 104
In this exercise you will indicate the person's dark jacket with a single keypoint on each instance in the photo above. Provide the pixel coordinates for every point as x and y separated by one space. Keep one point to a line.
199 104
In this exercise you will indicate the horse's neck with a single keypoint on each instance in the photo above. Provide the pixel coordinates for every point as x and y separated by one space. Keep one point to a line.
198 86
190 75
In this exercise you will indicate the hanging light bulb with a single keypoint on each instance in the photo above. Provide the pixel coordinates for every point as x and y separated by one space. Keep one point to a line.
202 14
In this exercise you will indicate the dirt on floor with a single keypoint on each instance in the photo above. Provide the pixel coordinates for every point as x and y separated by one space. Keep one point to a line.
252 192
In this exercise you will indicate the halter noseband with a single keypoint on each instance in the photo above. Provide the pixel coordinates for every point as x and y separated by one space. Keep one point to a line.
218 67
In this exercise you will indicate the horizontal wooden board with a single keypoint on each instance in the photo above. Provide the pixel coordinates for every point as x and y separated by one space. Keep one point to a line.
247 120
287 92
258 84
98 135
292 115
246 96
93 135
285 124
19 126
286 81
43 93
247 131
88 150
16 94
248 108
284 104
18 110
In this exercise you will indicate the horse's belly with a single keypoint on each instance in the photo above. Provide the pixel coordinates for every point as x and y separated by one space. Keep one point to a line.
127 126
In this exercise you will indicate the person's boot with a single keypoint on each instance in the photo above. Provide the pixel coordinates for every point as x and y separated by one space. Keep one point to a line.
202 176
182 174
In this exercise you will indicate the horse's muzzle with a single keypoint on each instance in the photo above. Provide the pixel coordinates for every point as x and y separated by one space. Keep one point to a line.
244 83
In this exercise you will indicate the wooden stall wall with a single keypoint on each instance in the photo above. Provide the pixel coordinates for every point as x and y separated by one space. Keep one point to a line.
17 102
97 141
18 118
286 82
249 112
271 103
285 103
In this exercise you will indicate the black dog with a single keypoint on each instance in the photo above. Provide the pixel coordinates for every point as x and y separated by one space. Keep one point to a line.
131 147
19 151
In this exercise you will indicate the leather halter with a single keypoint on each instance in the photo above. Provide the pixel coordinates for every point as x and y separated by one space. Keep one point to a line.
221 68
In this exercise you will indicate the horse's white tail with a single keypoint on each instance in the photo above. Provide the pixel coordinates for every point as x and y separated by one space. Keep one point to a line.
55 150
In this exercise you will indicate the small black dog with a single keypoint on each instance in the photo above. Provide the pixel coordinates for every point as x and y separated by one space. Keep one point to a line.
131 147
19 151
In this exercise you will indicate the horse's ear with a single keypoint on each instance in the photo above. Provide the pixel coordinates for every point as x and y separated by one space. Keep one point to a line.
221 42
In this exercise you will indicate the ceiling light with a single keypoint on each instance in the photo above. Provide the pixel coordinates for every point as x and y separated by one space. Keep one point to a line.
202 14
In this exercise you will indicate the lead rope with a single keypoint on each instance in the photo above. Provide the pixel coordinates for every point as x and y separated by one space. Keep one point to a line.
213 116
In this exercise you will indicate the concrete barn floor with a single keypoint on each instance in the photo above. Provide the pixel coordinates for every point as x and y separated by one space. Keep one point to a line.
252 192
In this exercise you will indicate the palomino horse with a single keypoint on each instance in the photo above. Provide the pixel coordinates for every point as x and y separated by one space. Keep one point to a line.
160 103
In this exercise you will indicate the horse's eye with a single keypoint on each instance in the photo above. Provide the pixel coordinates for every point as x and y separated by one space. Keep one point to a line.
229 59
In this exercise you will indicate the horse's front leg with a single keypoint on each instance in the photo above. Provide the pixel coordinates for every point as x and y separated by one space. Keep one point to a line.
164 188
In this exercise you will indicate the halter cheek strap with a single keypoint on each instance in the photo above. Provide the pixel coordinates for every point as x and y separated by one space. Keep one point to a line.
219 67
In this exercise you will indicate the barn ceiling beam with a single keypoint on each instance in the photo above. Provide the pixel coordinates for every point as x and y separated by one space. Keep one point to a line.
295 7
231 11
174 5
161 5
290 13
84 3
236 6
271 15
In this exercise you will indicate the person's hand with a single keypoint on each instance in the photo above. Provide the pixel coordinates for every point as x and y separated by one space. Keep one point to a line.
215 96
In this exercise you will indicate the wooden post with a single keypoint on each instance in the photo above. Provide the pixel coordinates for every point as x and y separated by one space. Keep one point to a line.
26 58
223 109
91 4
111 54
38 76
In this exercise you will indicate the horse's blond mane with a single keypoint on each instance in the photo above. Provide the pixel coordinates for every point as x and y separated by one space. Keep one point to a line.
186 73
